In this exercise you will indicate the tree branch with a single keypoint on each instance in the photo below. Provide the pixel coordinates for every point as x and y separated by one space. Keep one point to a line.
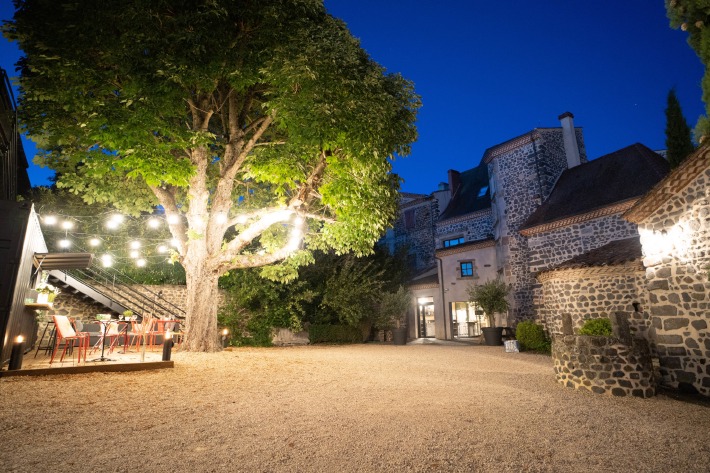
167 200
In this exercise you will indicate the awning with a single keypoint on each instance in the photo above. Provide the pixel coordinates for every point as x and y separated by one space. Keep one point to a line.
49 261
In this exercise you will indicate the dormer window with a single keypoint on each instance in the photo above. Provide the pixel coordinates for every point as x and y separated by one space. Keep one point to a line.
453 242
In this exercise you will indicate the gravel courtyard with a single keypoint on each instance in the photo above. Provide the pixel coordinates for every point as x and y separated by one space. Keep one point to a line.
343 408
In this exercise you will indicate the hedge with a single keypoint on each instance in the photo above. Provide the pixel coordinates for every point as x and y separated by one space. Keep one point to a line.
334 334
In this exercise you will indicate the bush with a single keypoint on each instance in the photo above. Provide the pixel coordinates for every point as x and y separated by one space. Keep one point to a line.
596 327
531 337
334 334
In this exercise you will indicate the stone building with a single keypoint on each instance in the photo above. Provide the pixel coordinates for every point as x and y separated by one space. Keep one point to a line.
533 203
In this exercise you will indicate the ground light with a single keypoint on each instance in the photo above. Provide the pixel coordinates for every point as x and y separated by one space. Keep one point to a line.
17 353
167 345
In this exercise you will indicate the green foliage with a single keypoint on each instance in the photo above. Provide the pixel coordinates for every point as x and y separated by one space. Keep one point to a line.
692 16
532 337
678 141
491 296
392 309
596 327
334 334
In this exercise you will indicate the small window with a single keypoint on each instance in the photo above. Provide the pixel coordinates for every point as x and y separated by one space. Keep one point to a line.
453 242
483 191
409 221
466 269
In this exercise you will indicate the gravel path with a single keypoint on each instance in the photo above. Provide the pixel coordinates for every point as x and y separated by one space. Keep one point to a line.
343 408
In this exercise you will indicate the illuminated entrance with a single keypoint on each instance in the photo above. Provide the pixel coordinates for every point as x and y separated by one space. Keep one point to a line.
467 319
425 316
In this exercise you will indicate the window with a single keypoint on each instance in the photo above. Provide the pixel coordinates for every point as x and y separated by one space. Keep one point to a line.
453 242
482 191
409 219
466 269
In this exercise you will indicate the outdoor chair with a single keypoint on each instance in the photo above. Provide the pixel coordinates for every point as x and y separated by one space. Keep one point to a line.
142 332
67 334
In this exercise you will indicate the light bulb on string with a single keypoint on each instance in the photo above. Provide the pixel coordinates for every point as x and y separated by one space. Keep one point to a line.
153 222
64 243
67 224
111 224
140 262
135 244
94 242
172 219
174 242
106 260
162 249
134 254
50 220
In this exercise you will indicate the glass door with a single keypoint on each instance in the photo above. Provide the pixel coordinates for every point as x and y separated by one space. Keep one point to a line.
425 315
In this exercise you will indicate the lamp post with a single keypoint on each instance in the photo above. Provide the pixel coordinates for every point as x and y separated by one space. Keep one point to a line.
225 333
17 353
167 345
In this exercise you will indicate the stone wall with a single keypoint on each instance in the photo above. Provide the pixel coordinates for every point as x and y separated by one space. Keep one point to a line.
548 249
477 226
419 239
676 245
603 365
588 293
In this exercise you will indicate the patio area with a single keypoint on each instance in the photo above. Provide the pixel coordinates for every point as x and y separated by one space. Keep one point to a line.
372 407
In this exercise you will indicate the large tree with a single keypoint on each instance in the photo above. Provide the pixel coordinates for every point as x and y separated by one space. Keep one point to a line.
261 127
693 16
679 145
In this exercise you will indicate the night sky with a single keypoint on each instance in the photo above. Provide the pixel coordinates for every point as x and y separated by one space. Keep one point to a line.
490 71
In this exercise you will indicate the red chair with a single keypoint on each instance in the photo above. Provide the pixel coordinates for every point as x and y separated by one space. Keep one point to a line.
66 334
141 331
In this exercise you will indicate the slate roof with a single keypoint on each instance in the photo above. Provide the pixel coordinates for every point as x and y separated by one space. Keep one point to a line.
612 254
465 199
622 175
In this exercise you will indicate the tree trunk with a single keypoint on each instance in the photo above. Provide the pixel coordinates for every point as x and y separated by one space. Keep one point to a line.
202 303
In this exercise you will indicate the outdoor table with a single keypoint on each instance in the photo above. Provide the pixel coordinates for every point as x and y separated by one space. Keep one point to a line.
105 323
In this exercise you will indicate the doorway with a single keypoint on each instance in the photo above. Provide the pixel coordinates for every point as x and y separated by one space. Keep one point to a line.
425 317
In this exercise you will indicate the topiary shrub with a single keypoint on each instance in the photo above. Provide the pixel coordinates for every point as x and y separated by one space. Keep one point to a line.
596 327
531 337
334 334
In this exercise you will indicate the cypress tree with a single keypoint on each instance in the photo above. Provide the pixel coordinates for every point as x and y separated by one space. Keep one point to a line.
678 141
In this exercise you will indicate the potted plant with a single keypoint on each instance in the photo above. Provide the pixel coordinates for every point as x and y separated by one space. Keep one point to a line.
127 314
46 293
392 314
491 296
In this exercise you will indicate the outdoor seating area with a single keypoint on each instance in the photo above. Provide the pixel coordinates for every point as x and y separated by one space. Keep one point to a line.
66 342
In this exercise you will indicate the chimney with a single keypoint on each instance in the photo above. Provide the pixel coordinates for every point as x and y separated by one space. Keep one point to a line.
570 140
454 181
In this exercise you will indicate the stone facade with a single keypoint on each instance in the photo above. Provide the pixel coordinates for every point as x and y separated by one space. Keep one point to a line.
523 173
674 223
474 227
596 292
414 230
603 365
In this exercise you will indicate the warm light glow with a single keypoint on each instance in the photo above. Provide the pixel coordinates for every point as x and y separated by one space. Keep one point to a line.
140 263
94 242
241 219
135 244
112 224
655 242
67 224
153 222
106 260
295 240
162 249
298 222
118 218
134 254
221 218
64 243
225 332
19 339
50 220
173 219
168 335
174 242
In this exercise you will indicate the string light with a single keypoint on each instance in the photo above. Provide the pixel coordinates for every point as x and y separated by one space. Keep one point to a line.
112 224
153 223
135 244
67 224
174 242
50 220
140 263
94 242
106 260
64 243
134 254
162 249
172 219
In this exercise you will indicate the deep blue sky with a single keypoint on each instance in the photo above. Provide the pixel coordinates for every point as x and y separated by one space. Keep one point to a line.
490 71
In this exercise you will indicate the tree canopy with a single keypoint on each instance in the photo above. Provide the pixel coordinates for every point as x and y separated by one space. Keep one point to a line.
693 16
262 128
679 145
